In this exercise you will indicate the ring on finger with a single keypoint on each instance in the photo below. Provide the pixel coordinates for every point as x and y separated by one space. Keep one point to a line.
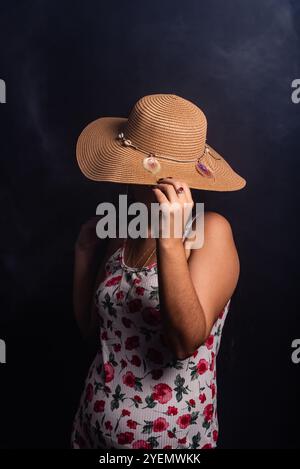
179 190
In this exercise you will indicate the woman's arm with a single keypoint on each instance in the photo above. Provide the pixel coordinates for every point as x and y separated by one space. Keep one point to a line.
87 273
194 292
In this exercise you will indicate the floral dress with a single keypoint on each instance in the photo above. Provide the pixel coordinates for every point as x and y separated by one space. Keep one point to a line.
137 394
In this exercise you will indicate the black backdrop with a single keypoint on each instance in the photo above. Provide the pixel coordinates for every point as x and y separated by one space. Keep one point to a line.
66 63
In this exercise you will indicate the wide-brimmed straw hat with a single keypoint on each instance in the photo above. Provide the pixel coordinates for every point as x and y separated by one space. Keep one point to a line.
164 135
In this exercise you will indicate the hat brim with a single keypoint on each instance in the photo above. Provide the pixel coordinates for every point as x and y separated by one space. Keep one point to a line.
101 157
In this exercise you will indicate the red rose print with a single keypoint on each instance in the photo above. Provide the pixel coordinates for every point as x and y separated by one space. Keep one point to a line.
140 291
135 305
109 372
113 281
89 392
125 438
172 410
155 355
156 374
136 360
184 420
151 316
108 426
212 363
221 314
99 406
132 342
127 322
175 404
208 412
202 366
162 393
129 379
141 444
209 342
131 424
160 424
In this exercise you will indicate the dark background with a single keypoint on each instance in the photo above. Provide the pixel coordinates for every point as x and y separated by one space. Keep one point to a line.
66 63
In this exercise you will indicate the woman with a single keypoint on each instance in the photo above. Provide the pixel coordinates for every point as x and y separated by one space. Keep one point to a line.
159 305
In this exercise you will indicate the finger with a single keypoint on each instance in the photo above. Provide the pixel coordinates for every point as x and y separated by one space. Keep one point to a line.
187 191
169 191
182 196
164 204
160 196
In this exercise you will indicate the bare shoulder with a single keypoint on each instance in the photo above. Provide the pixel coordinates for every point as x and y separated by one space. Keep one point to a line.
215 266
217 225
218 236
213 225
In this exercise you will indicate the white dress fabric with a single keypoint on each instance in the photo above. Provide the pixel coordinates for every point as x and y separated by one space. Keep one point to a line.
137 394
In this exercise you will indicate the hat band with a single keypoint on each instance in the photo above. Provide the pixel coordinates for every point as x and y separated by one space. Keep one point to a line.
128 143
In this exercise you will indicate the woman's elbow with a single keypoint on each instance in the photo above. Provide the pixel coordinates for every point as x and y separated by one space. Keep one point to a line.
183 351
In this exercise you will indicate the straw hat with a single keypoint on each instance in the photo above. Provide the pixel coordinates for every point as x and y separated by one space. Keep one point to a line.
164 135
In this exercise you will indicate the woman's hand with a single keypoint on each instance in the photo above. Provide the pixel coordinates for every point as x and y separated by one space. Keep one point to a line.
177 206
